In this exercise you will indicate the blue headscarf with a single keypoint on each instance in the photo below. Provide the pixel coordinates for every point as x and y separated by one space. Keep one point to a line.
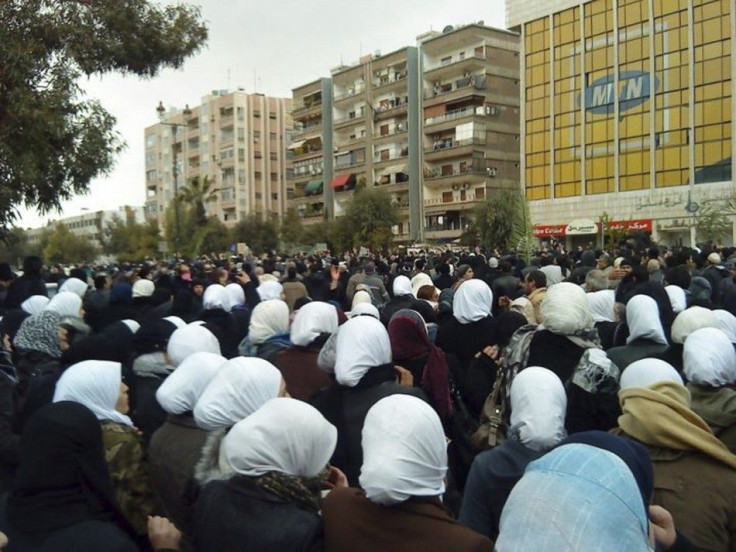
576 497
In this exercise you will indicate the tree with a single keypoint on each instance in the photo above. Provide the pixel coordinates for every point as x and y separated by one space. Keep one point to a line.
259 233
493 219
130 241
215 237
292 230
195 195
187 227
369 217
17 245
712 221
54 141
64 247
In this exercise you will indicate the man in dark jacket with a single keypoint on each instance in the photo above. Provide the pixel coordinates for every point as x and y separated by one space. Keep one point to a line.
27 285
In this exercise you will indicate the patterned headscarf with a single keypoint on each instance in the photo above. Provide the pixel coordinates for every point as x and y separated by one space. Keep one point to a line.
40 332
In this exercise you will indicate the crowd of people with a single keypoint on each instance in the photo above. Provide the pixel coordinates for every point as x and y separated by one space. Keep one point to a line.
584 400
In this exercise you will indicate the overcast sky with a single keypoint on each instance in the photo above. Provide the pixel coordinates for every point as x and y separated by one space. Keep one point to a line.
268 47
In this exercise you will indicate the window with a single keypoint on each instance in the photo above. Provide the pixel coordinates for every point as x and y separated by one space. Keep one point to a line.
274 156
275 196
272 115
259 195
258 175
272 136
256 136
274 177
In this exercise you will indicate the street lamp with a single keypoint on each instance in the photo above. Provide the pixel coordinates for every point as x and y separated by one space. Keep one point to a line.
161 110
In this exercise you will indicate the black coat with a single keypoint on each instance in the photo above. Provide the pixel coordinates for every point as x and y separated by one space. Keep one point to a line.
235 515
465 340
23 288
346 408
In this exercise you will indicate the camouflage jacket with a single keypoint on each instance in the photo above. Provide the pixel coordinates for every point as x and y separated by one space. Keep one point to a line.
124 454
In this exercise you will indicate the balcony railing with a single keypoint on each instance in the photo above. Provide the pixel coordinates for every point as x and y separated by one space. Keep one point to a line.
475 167
447 63
476 82
351 91
456 114
387 80
450 143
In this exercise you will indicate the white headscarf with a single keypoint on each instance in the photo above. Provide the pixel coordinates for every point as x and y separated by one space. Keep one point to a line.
726 323
647 372
311 320
215 297
284 435
132 325
692 319
402 286
35 304
236 295
600 304
472 301
268 319
404 451
419 280
360 297
709 359
242 385
65 303
365 308
176 321
538 407
362 343
677 298
96 385
270 290
642 318
180 391
553 273
192 338
143 288
75 286
565 309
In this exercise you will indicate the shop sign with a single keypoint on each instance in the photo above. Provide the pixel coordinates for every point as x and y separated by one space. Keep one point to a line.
640 225
581 227
549 230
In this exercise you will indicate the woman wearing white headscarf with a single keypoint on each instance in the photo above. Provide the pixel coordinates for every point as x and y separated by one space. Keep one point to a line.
364 374
689 320
471 328
646 334
538 405
403 480
229 327
694 472
278 460
66 303
216 297
270 290
677 298
75 286
98 385
313 324
176 446
402 298
241 387
726 323
709 363
268 333
34 304
192 338
567 343
602 308
236 295
577 497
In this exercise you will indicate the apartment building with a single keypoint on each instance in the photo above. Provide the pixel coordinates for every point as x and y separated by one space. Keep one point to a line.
235 140
435 125
628 109
91 224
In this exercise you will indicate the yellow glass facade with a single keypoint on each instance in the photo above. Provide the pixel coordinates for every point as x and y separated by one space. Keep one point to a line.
635 59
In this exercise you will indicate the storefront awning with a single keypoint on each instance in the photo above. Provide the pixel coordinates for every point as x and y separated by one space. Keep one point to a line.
313 187
296 145
340 180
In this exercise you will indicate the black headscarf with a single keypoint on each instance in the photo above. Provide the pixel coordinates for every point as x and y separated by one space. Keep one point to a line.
425 309
506 324
63 478
11 322
113 342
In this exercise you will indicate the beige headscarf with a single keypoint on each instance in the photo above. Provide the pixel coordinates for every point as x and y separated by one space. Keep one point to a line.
659 415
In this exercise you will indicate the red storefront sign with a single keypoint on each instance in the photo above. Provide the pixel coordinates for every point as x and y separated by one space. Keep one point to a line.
558 230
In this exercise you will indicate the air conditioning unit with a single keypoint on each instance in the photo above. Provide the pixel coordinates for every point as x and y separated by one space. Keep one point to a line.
492 171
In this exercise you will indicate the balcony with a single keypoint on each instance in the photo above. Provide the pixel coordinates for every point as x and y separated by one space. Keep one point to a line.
398 129
474 172
306 109
448 68
351 92
450 148
390 109
470 111
470 86
353 118
465 200
392 154
395 79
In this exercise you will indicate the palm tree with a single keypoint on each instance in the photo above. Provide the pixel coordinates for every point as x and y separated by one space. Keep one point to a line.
196 194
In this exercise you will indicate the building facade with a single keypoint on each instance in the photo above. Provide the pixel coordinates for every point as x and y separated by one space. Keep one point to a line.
91 224
436 126
233 139
627 114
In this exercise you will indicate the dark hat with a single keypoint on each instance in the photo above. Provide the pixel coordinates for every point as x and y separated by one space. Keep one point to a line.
5 272
461 270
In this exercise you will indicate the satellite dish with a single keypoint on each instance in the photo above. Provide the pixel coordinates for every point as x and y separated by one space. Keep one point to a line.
448 29
481 22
